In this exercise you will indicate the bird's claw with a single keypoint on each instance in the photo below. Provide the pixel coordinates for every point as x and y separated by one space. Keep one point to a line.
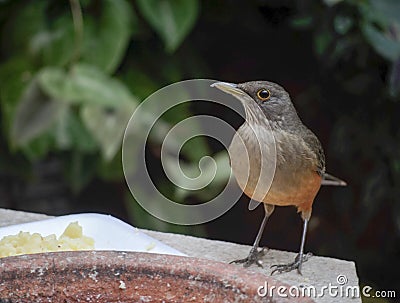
281 268
252 258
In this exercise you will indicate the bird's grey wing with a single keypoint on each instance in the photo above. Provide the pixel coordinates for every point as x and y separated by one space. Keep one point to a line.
313 143
327 179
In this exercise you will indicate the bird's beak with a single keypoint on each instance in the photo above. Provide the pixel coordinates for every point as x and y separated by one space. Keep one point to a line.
230 88
251 107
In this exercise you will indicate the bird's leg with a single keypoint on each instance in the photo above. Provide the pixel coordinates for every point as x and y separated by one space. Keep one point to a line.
300 258
255 254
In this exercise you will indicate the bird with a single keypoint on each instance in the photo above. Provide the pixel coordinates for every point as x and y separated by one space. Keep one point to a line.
285 163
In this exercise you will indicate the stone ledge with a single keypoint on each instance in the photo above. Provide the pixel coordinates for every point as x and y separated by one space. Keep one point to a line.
318 272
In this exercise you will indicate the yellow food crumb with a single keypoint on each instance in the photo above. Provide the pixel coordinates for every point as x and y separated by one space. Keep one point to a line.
150 246
27 243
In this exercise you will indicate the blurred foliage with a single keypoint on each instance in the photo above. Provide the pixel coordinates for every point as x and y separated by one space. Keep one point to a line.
63 91
171 19
72 72
357 44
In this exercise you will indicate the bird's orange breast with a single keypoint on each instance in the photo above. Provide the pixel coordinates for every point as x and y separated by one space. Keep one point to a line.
285 193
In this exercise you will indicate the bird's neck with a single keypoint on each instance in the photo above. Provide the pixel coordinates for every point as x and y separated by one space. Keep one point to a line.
255 115
288 121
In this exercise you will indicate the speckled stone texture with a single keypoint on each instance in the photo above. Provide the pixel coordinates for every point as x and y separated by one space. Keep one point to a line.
318 272
99 276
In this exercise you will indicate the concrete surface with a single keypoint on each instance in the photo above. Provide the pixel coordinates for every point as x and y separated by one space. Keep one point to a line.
335 279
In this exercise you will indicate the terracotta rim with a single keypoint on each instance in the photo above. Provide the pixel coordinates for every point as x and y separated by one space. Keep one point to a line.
111 276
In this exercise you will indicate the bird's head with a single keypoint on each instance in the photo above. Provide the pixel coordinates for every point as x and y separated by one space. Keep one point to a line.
271 98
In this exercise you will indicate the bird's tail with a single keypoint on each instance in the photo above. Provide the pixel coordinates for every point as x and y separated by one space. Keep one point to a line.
328 179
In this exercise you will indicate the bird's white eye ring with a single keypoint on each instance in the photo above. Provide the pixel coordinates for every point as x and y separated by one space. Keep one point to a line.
263 94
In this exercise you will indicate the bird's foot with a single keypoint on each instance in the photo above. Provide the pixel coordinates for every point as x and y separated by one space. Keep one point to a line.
280 268
252 258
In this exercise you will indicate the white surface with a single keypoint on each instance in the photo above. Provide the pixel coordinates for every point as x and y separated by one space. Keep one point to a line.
109 233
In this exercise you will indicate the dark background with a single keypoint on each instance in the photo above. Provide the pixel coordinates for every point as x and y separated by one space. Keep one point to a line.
339 60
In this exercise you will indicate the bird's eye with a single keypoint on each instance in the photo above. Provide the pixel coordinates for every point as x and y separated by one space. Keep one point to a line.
263 94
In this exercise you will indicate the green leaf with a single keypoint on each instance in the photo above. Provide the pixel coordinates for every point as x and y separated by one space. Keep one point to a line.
322 41
171 19
195 148
107 126
17 35
219 174
383 44
302 22
55 43
106 38
85 84
342 24
91 85
39 147
386 10
15 74
35 114
70 133
141 84
53 81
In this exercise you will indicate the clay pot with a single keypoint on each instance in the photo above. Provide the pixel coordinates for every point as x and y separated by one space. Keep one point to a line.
107 276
